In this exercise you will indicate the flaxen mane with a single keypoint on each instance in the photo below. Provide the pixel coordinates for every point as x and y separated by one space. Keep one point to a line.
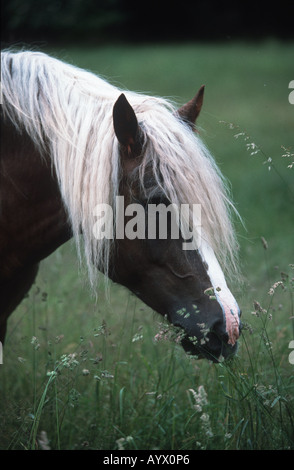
67 112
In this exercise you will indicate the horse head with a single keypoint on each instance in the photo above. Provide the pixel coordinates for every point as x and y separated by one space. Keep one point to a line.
186 286
100 150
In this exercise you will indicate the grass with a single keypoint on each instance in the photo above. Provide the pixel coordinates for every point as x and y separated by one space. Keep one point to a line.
80 375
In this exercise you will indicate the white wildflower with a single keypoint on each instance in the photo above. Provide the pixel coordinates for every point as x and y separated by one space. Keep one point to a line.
43 441
35 343
200 398
123 441
274 286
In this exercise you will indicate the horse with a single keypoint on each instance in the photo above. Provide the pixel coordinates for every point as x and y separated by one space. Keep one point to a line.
70 141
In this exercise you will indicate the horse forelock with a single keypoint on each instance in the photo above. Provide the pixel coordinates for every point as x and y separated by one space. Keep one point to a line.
69 111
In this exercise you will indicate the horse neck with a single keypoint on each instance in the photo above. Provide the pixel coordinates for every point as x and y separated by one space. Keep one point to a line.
33 221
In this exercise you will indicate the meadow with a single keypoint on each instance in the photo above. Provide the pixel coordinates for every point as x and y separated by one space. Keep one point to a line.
81 374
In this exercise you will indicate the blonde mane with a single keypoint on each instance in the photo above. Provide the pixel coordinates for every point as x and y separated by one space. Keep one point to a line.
67 112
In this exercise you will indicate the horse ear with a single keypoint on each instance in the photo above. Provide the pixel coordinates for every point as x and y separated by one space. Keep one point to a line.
190 111
125 123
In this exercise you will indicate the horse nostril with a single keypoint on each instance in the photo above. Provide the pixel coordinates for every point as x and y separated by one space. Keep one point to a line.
227 332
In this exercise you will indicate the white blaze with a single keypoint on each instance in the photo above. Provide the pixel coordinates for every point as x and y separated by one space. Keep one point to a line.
223 295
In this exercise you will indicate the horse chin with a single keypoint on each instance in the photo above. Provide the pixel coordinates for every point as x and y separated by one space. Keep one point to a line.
214 350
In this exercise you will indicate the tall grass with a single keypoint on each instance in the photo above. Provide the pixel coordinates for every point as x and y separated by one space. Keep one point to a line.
77 375
105 390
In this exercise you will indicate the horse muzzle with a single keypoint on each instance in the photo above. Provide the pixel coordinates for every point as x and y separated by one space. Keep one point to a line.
211 347
215 340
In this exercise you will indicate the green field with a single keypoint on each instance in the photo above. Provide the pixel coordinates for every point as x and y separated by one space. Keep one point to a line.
84 375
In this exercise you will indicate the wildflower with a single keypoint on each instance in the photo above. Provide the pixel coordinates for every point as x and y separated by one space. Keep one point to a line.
35 343
58 339
170 333
239 135
268 160
247 326
206 424
161 336
274 286
204 418
288 154
21 359
137 336
102 330
258 309
106 375
120 443
200 398
43 441
69 361
51 373
264 243
123 441
252 148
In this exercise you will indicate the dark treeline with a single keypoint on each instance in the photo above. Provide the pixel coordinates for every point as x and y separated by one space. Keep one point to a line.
131 20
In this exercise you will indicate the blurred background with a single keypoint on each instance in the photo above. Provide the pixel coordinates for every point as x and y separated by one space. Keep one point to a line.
129 20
